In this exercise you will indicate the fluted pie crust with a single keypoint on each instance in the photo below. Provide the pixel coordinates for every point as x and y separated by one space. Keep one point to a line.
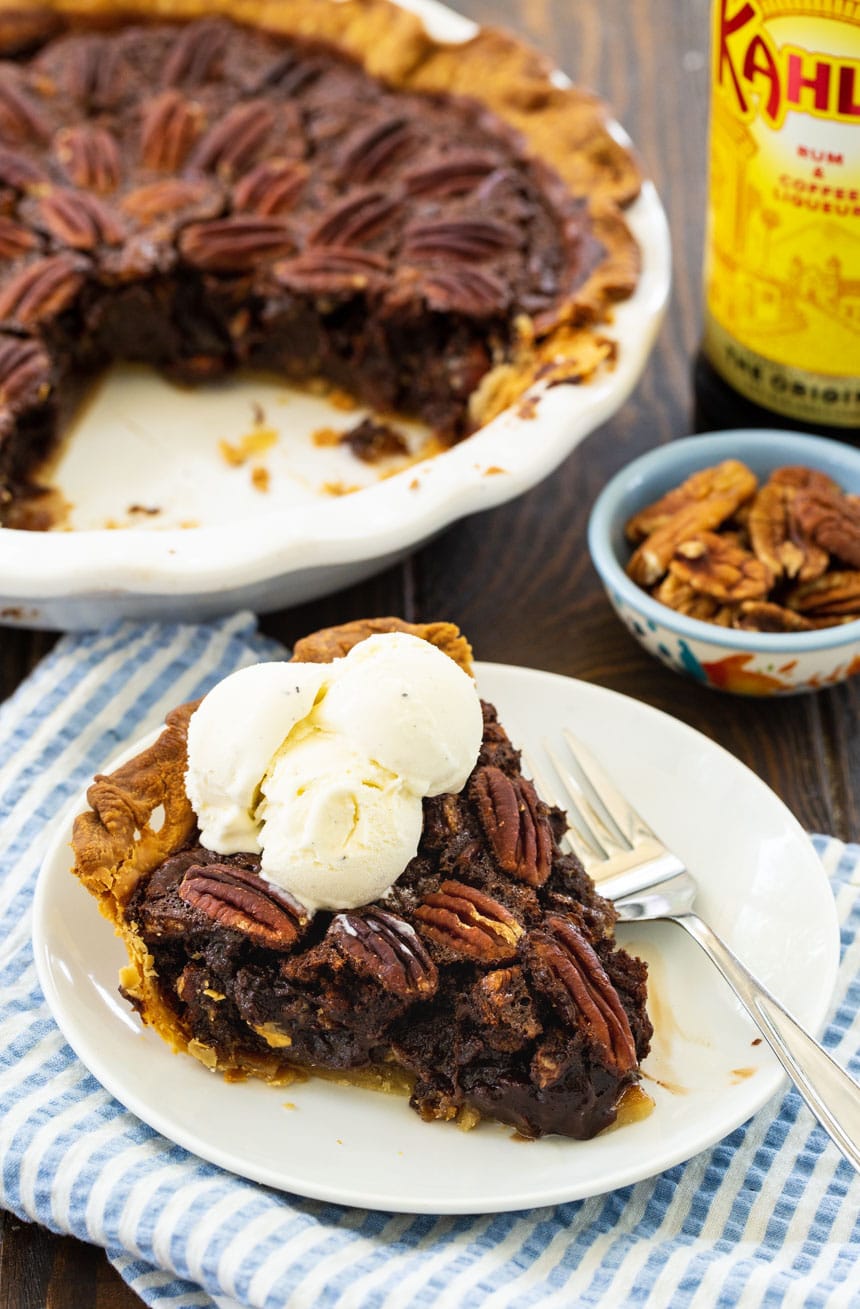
79 219
486 982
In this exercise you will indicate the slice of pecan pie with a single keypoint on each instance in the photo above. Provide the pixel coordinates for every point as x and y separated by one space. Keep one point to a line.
486 980
319 190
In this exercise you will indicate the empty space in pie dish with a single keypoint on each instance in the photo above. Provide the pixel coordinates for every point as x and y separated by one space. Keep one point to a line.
145 453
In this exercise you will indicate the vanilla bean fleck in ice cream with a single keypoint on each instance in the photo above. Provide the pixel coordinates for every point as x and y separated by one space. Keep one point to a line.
322 768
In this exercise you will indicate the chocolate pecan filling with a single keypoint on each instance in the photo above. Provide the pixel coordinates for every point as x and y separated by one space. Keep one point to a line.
489 973
208 196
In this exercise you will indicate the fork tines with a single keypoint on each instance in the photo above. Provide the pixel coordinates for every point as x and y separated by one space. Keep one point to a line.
604 829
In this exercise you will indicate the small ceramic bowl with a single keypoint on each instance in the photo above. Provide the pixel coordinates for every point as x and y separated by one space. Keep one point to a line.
746 663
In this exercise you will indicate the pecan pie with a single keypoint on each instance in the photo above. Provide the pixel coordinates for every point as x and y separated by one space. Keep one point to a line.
486 980
321 191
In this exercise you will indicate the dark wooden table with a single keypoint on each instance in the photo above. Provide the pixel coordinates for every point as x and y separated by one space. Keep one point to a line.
518 579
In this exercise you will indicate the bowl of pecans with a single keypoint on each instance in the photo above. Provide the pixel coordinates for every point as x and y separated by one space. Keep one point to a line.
735 558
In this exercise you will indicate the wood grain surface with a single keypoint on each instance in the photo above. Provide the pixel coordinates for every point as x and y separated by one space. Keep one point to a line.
518 578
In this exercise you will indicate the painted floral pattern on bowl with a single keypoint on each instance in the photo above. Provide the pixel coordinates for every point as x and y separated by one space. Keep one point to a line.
740 672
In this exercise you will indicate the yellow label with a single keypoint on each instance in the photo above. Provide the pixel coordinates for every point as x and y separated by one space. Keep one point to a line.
782 263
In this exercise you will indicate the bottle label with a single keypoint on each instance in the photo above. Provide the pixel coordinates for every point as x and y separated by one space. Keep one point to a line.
782 264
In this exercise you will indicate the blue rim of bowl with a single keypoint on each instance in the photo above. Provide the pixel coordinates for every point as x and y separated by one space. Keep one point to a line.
614 577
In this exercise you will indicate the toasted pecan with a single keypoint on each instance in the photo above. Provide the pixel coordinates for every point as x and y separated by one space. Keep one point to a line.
771 565
469 923
716 566
730 478
776 534
244 902
832 520
700 504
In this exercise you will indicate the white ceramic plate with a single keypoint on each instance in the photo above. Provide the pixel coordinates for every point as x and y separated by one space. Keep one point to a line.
762 887
216 543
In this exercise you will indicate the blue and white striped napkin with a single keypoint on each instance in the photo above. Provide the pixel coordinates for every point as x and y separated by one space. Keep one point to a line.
769 1217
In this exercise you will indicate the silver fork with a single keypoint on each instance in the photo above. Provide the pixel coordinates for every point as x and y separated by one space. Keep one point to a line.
647 881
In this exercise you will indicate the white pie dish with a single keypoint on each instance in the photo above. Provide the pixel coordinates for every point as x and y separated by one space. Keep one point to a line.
298 541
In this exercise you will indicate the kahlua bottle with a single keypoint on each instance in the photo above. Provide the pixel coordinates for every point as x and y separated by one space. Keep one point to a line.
781 342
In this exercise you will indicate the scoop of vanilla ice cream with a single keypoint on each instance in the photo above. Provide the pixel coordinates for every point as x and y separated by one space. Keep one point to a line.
321 768
338 829
410 708
232 737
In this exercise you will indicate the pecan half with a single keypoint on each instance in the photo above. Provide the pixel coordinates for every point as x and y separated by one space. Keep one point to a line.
91 71
386 948
700 504
89 156
271 188
765 616
832 520
241 900
718 567
16 239
356 219
234 142
172 195
456 174
460 238
21 172
42 290
768 527
331 270
369 153
466 291
234 245
730 478
169 128
835 595
79 220
518 832
25 371
196 53
566 966
777 536
20 118
469 923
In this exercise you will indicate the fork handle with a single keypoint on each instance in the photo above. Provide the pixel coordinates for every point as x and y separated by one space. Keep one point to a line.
829 1092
